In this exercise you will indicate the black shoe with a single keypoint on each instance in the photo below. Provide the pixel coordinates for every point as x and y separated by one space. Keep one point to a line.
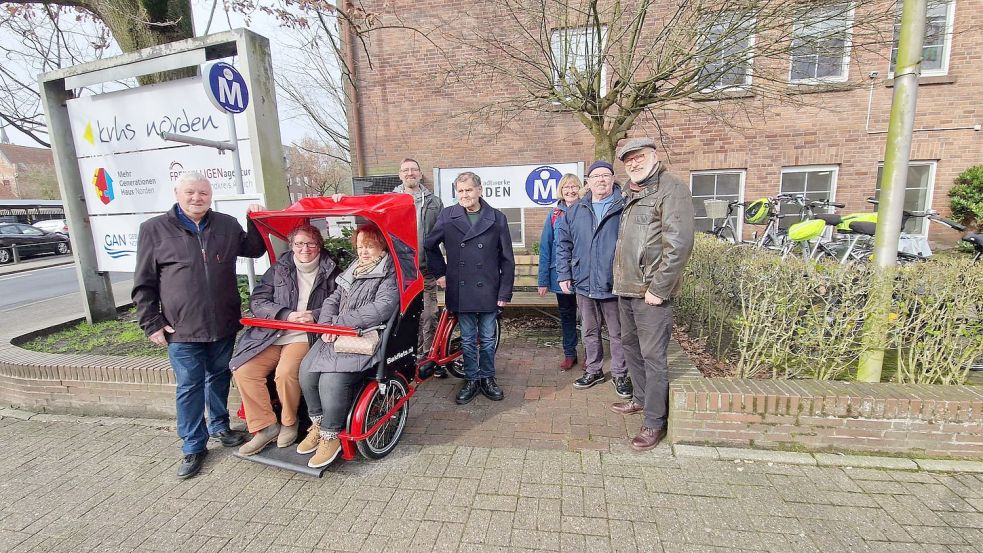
231 438
440 372
491 390
588 380
468 392
191 464
623 387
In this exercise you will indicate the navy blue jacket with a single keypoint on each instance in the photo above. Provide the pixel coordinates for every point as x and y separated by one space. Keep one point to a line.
480 269
585 247
547 248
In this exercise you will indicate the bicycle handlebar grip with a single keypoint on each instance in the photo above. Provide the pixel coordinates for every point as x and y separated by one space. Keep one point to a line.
837 204
949 223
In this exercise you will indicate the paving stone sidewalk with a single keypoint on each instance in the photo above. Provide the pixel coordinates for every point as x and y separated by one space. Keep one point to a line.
88 486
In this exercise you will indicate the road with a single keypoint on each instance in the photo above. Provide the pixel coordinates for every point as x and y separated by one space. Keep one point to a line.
21 289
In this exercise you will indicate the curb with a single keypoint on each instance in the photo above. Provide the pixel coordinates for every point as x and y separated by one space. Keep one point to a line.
826 459
21 415
14 271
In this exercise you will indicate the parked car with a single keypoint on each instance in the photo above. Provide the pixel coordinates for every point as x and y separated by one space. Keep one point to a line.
29 241
53 225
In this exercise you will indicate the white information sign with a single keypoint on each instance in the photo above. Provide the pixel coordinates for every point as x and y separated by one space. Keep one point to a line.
116 240
132 120
139 182
236 207
511 186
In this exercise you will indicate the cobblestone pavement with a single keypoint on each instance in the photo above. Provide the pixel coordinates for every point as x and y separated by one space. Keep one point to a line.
88 486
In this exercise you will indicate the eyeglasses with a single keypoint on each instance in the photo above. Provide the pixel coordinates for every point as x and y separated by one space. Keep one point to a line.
308 245
637 158
600 176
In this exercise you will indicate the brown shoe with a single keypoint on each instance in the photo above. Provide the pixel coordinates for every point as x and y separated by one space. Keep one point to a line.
647 438
626 407
568 363
309 445
327 451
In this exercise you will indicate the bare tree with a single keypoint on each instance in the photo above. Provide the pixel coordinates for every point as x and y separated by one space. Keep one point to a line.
318 168
610 63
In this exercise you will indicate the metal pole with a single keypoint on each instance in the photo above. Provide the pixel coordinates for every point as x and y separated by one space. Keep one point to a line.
237 169
896 157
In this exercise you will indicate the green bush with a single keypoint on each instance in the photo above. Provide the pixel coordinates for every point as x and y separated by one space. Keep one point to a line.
797 319
966 197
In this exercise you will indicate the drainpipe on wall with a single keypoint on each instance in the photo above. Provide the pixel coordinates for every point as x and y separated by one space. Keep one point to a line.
349 75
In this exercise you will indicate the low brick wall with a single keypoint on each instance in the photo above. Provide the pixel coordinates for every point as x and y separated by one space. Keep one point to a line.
911 420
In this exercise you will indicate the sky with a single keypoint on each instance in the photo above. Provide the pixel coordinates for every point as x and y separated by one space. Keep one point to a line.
292 127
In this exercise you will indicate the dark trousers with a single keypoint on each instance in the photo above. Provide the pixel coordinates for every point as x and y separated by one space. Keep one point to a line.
202 375
567 305
478 344
330 396
592 314
645 333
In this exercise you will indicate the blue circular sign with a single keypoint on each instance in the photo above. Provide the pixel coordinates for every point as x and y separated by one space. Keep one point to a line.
542 185
226 87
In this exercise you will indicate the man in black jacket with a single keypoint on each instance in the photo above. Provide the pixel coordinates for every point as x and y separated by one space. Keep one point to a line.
184 288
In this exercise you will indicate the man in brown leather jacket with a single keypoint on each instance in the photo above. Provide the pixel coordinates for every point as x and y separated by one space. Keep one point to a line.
654 244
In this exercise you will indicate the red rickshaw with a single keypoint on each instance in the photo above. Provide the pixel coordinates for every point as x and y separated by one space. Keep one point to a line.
378 417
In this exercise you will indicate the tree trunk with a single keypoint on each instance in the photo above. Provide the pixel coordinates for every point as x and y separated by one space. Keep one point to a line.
605 145
137 24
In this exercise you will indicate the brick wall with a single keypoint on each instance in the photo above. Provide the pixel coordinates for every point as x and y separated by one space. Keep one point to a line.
409 107
910 420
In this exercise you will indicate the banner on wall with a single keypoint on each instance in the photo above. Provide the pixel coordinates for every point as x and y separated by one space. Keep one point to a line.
512 185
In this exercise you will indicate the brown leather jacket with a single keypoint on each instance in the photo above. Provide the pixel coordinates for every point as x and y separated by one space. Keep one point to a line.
655 239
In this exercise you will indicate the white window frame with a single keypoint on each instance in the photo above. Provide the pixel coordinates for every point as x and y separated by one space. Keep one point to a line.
522 225
845 60
742 173
930 193
950 19
750 68
585 31
835 169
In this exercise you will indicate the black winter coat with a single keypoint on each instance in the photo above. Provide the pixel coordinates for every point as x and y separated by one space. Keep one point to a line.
188 280
276 296
480 268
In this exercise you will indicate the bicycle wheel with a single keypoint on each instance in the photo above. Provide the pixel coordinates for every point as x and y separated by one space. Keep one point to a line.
381 443
456 367
727 235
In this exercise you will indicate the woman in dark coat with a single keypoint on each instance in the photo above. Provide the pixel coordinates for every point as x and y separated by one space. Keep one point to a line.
291 290
366 295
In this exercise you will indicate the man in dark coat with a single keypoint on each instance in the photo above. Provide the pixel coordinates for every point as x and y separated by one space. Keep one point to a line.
184 288
477 276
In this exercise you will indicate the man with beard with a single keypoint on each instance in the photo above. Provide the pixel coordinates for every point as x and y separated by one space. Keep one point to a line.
654 244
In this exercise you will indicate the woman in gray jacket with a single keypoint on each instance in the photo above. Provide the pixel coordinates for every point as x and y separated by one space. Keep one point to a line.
366 295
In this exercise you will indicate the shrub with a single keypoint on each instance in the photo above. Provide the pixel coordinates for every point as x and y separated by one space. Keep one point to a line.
798 319
966 197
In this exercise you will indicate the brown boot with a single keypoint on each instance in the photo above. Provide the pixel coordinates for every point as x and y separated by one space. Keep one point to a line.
309 445
260 440
647 438
327 451
626 407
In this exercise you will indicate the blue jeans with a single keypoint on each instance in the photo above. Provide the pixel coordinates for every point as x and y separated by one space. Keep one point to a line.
201 370
479 361
567 304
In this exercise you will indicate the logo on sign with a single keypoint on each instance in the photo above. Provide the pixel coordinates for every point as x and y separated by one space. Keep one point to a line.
541 185
226 88
104 186
118 245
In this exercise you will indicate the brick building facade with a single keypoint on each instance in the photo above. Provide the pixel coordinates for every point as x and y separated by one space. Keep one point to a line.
831 142
22 170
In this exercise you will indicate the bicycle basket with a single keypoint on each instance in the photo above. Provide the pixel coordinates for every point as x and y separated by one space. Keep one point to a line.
716 209
810 229
844 225
757 211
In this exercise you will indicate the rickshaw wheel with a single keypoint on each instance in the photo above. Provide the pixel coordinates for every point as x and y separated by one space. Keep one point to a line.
385 439
456 367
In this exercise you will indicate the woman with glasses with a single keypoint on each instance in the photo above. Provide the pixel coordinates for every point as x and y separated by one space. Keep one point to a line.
569 189
291 290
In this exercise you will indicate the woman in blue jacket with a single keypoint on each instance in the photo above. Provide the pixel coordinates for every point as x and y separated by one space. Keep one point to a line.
569 188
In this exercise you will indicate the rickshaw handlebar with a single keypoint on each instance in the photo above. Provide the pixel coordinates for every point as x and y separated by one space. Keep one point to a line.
307 327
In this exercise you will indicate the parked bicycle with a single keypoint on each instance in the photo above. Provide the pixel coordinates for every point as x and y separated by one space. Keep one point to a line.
727 212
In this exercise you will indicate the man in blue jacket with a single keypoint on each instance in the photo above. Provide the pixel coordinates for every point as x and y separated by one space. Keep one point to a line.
478 277
584 261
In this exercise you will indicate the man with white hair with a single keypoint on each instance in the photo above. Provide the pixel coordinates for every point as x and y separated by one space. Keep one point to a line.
654 243
187 299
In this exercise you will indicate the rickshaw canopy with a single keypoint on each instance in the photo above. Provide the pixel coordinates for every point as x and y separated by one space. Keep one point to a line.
394 214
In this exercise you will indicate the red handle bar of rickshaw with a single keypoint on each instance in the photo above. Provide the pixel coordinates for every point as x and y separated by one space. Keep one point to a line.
303 327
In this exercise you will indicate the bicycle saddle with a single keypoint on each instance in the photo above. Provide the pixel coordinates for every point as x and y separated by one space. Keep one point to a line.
832 219
974 238
861 227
